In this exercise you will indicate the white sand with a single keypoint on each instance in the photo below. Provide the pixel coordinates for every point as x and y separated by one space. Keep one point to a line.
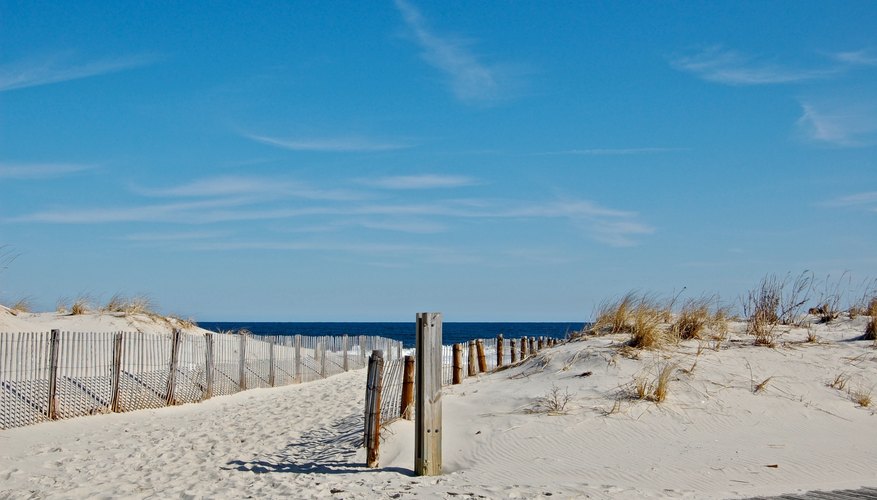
714 437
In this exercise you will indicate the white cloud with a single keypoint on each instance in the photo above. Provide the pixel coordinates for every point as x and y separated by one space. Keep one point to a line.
843 124
615 151
864 57
249 186
720 65
61 68
867 199
470 79
31 171
329 144
426 181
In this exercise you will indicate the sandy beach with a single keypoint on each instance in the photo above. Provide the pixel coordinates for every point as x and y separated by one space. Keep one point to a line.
738 420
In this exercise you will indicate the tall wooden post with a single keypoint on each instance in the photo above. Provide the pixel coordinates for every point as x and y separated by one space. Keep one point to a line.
541 342
344 348
271 372
499 351
532 345
116 373
322 349
428 420
457 373
298 359
54 344
242 373
405 406
373 389
473 359
514 349
176 338
523 348
208 365
482 359
362 350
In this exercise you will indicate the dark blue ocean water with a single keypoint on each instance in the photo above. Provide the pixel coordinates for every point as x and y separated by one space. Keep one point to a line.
451 332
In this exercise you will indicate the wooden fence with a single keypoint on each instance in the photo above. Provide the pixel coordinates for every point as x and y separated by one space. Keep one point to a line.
52 375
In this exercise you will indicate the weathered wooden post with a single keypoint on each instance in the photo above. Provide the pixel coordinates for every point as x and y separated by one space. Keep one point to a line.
523 348
344 348
428 419
499 351
373 388
362 350
473 359
514 349
482 359
242 372
298 359
54 344
172 372
208 365
323 346
116 373
271 372
533 345
457 373
405 407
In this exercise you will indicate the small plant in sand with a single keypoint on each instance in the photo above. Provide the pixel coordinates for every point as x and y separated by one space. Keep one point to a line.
80 306
760 308
653 390
552 403
693 319
830 297
645 325
137 305
840 381
871 329
23 305
761 386
861 397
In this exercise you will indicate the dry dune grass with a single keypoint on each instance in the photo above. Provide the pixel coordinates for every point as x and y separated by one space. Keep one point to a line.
81 305
137 305
22 305
693 319
653 390
612 316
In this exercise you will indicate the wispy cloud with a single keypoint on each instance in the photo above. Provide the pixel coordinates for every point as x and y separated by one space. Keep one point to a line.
730 67
842 124
426 181
31 171
471 79
615 151
867 200
63 67
864 57
249 186
329 144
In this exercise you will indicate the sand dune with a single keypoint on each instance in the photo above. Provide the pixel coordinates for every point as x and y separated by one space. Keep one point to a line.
715 436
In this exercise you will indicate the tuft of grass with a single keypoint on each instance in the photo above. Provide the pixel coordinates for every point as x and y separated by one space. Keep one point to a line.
812 338
80 306
186 323
871 329
861 397
760 308
612 316
655 390
840 381
645 325
689 371
137 305
693 319
23 305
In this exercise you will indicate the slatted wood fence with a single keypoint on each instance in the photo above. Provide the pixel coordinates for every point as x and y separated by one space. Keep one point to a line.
52 375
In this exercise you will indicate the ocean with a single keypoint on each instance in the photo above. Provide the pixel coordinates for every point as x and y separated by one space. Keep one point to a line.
452 333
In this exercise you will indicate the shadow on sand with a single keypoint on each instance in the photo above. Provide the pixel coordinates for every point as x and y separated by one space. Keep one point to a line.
323 450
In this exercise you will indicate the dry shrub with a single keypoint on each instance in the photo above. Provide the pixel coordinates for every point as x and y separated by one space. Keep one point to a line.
861 397
187 323
760 308
830 297
552 403
840 381
655 390
23 305
762 386
871 329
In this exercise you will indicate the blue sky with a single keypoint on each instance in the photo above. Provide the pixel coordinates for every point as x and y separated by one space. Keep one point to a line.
363 161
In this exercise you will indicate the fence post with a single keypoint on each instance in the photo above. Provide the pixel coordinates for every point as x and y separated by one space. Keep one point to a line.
428 419
344 348
271 372
298 359
523 348
54 342
242 374
482 359
499 351
373 388
514 349
541 343
172 373
361 350
407 388
323 357
473 359
116 373
208 365
532 345
458 364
